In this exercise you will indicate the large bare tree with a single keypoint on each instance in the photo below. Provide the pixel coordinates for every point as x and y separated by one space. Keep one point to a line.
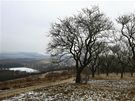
127 23
77 36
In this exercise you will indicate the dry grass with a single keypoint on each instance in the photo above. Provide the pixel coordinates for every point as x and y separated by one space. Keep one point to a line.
33 82
112 76
17 91
35 79
54 76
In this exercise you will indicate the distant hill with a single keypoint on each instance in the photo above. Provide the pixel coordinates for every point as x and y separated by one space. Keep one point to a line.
23 55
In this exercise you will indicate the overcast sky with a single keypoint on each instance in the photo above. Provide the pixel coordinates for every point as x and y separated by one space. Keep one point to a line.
25 23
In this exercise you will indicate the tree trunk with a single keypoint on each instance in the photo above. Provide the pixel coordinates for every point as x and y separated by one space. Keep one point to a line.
98 71
131 73
122 72
107 73
93 74
121 75
93 70
78 77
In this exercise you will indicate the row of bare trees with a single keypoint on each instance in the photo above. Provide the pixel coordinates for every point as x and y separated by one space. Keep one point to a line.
91 41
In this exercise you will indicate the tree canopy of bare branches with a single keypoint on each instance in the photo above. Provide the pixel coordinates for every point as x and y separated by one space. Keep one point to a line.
127 23
128 30
79 37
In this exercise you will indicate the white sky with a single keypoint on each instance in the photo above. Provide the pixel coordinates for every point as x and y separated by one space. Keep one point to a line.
24 24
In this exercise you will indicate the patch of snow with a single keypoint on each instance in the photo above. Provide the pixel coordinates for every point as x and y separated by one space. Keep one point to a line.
73 92
28 70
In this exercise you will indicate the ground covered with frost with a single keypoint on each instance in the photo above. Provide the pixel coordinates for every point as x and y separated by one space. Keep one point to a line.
95 90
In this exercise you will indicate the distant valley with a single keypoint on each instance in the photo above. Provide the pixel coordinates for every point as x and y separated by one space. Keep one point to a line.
17 61
23 55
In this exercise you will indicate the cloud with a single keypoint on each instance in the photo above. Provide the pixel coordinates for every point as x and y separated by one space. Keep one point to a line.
25 23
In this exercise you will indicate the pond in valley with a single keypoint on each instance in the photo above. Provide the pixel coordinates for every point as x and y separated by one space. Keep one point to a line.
26 69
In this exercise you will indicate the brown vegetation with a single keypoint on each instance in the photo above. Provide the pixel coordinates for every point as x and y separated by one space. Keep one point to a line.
35 79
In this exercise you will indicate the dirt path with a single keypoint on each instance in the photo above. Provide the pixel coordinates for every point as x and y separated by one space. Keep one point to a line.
8 93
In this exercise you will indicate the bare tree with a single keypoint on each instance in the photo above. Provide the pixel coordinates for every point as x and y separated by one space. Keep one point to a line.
76 36
121 55
94 64
108 60
128 32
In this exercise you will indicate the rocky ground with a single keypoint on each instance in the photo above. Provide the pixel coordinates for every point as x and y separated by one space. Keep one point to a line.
95 90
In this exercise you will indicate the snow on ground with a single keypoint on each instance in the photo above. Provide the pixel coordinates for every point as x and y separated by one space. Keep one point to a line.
29 70
95 90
